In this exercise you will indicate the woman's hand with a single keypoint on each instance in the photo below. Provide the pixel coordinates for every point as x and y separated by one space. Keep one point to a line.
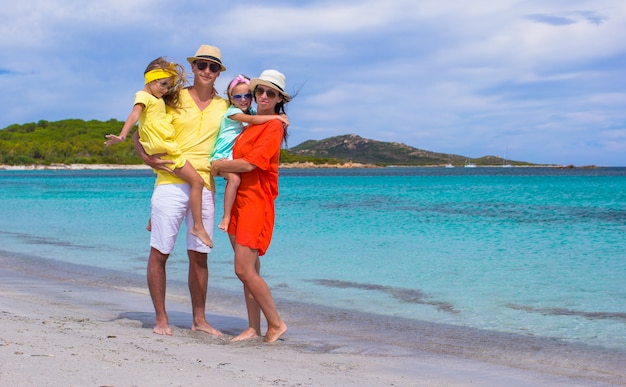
215 167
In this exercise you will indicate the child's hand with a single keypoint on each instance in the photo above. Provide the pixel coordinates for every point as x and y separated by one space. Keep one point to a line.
113 139
284 119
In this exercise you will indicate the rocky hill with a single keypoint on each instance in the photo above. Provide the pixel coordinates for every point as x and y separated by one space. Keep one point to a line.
353 148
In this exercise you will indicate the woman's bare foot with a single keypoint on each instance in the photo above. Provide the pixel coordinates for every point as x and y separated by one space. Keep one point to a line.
201 233
274 334
162 330
249 333
206 328
224 223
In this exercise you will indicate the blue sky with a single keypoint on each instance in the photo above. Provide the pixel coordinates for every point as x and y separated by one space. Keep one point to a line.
544 81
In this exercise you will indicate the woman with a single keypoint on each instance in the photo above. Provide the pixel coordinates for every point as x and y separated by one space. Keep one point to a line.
255 158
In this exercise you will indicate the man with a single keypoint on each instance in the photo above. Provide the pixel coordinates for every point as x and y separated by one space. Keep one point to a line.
196 124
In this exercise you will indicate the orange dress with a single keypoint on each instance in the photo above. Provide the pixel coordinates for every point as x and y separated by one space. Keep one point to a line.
252 217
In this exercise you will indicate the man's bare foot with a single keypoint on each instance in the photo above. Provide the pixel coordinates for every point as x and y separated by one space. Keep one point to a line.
162 330
224 223
274 334
206 328
201 233
249 333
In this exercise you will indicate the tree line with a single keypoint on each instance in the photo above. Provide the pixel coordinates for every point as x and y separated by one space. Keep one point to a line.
75 141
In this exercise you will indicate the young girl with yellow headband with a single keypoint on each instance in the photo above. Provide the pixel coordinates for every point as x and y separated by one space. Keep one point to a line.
163 82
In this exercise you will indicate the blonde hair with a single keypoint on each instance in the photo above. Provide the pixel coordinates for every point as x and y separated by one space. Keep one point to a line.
171 98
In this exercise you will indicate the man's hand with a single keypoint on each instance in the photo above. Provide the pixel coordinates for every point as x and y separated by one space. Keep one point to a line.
156 162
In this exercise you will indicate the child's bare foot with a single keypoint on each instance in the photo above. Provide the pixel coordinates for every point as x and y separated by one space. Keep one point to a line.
224 223
274 334
201 233
149 226
248 334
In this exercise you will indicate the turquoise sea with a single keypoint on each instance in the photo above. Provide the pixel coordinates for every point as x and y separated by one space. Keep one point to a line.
533 252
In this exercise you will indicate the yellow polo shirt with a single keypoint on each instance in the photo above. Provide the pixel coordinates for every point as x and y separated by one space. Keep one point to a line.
195 132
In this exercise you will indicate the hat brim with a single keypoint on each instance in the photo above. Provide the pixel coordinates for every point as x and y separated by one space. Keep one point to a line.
254 82
192 59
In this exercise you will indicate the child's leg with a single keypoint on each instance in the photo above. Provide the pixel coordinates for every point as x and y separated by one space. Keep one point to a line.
189 174
232 184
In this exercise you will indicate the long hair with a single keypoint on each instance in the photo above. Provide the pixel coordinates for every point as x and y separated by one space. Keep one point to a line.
171 98
279 108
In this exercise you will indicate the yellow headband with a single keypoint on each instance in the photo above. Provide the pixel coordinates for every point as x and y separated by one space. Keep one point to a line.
153 75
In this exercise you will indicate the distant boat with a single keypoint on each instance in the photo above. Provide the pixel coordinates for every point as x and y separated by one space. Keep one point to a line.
506 164
469 165
449 165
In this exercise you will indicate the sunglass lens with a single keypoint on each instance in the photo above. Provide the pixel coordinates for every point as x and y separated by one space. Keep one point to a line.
214 67
259 92
237 97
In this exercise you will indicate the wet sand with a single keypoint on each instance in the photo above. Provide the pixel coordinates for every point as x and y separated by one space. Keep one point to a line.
73 325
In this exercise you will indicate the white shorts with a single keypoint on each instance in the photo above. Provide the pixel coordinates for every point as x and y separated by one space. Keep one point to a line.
169 206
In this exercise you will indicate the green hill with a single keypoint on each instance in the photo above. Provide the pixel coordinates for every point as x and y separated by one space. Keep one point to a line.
354 148
75 141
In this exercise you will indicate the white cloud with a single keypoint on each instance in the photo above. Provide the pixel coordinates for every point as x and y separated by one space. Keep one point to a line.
432 74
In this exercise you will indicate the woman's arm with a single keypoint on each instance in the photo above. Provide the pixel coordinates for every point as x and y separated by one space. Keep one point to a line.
225 166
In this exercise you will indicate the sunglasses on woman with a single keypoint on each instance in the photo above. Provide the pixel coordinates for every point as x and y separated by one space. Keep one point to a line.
214 67
238 97
258 91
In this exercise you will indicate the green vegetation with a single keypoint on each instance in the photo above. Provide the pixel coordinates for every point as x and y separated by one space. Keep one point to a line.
76 141
64 142
286 157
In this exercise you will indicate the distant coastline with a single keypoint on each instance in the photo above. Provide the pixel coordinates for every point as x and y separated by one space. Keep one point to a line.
34 167
296 165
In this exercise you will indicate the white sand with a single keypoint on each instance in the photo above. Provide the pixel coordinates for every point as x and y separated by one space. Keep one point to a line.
58 330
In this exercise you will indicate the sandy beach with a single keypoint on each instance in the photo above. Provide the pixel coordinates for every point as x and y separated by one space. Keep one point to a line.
69 325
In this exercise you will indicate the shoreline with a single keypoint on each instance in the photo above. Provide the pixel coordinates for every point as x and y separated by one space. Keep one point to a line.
79 167
297 165
87 326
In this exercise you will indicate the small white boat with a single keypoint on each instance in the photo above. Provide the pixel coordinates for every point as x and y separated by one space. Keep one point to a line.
469 165
449 165
505 163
